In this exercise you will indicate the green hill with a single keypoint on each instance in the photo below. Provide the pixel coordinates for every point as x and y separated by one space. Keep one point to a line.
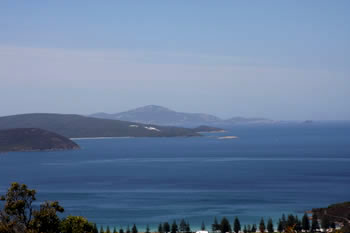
76 126
32 139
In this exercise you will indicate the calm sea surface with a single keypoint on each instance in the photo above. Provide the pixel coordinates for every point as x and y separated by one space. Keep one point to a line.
266 172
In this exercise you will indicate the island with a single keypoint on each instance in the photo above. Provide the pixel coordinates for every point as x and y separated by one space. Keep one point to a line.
208 129
77 126
33 139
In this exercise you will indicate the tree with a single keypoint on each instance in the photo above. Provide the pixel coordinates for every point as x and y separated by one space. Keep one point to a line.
188 228
128 229
174 228
95 230
314 223
160 228
262 225
115 230
203 226
215 226
134 229
18 210
254 228
284 222
297 225
182 225
101 230
147 229
76 224
290 221
121 230
225 225
305 223
45 219
249 228
325 222
108 230
236 225
270 225
166 227
280 226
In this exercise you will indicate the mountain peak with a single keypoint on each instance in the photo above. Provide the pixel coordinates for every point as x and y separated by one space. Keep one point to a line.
151 108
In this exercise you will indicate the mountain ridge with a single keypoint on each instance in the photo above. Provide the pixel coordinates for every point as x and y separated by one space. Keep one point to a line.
155 114
77 126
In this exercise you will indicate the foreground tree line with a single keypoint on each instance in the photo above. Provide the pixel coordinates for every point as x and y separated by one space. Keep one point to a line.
18 216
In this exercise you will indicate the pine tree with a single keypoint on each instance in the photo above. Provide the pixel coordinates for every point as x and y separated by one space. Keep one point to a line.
134 229
215 226
290 221
108 230
283 221
236 225
115 230
95 230
245 229
270 225
188 228
254 228
297 224
182 225
262 225
121 230
314 223
280 226
203 226
174 228
166 227
128 229
225 225
101 230
249 228
305 223
147 229
160 228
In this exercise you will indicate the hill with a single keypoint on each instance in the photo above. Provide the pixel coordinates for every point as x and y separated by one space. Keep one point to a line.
207 129
33 139
339 212
153 114
76 126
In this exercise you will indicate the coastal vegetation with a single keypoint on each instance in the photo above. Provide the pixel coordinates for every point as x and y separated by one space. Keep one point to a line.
77 126
33 139
18 215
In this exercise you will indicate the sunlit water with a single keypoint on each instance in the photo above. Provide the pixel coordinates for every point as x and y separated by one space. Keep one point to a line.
266 172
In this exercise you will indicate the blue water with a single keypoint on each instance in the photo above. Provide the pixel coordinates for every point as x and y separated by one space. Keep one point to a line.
266 172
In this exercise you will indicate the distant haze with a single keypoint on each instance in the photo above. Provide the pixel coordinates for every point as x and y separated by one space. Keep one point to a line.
274 59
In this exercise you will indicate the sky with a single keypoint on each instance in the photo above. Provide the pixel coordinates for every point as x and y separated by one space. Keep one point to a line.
283 60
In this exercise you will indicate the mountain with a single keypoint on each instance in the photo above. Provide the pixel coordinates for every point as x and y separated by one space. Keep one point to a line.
76 126
33 139
153 114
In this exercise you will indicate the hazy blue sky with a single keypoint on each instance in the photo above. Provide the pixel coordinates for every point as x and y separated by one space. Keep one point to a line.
277 59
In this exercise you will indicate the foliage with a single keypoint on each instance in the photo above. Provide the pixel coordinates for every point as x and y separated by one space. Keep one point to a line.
262 225
46 219
76 224
225 225
215 226
174 228
236 225
270 226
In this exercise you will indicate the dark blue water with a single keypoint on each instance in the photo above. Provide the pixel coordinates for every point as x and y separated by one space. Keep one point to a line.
266 172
